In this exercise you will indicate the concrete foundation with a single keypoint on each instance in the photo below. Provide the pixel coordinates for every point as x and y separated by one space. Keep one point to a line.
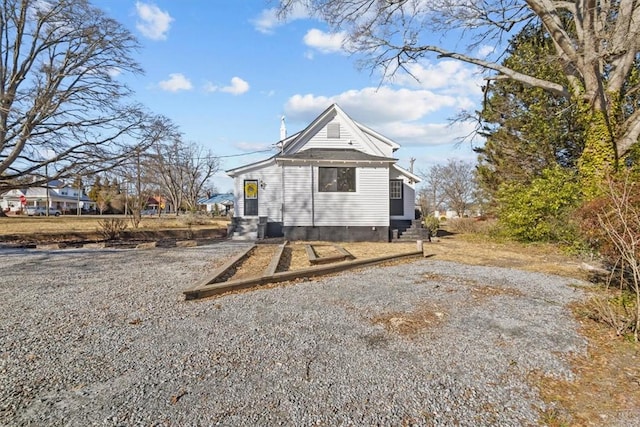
338 233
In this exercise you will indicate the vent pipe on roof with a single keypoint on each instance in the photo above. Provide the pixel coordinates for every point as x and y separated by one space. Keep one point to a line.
283 130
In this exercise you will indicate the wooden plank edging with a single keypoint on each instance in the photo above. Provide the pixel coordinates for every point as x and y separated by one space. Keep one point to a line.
273 265
311 253
210 289
344 252
223 269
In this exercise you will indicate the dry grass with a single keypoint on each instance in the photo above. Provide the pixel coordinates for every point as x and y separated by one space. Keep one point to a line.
68 223
542 258
409 324
256 263
607 382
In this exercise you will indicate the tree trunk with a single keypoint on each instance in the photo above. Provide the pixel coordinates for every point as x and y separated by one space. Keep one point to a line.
598 160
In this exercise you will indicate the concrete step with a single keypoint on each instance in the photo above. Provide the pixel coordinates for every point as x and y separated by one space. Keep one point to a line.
252 235
243 228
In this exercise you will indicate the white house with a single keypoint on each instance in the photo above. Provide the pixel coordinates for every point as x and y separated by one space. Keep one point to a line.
222 203
335 180
57 195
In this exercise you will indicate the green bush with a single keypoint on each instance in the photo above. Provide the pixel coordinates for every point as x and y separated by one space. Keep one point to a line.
541 210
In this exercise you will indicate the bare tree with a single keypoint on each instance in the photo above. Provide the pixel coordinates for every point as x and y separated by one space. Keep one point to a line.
458 185
452 185
63 108
136 173
182 171
202 166
596 42
430 194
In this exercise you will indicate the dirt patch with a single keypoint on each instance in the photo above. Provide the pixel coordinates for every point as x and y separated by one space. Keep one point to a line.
325 251
412 323
256 263
297 258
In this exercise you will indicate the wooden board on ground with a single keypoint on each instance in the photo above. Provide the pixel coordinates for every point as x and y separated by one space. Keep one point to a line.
326 253
233 285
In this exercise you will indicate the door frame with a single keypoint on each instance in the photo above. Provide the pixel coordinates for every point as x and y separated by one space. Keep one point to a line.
250 188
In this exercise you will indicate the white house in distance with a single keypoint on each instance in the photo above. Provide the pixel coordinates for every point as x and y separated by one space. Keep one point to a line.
57 195
336 180
223 203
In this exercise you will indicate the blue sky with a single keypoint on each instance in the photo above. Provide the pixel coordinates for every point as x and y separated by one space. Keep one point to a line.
226 71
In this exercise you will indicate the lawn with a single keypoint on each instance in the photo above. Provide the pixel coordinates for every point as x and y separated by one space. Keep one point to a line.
25 225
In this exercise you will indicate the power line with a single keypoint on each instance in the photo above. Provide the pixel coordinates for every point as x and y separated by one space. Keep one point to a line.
244 154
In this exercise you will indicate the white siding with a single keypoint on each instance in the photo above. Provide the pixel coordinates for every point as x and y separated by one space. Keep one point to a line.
347 139
297 196
386 149
409 195
367 206
269 192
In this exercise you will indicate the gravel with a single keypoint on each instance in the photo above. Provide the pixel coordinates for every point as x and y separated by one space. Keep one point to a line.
105 337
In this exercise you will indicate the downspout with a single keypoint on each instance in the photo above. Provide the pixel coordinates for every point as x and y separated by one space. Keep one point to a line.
282 196
283 136
313 210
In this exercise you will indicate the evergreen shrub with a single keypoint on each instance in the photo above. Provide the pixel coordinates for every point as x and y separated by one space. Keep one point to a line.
541 210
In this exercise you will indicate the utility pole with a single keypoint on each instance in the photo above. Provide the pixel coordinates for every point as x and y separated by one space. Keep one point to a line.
46 186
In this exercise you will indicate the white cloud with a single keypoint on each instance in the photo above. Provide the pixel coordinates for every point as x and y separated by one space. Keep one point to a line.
447 75
238 86
371 105
420 133
486 50
114 72
268 20
252 146
404 115
153 23
324 42
175 83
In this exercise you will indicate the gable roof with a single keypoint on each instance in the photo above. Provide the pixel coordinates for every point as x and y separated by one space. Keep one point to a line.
408 174
363 133
226 198
290 146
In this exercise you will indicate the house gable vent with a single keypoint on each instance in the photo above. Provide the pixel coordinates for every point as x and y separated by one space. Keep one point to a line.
333 130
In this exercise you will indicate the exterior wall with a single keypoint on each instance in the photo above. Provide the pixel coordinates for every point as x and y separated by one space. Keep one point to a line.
409 195
320 140
297 195
269 192
305 206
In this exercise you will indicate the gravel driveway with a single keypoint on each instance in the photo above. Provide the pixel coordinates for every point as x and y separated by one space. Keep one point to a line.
104 337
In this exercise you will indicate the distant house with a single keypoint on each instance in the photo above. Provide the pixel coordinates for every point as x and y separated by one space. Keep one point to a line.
335 180
223 203
57 195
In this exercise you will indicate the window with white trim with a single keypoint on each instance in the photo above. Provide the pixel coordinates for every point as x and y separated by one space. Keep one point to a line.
395 189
